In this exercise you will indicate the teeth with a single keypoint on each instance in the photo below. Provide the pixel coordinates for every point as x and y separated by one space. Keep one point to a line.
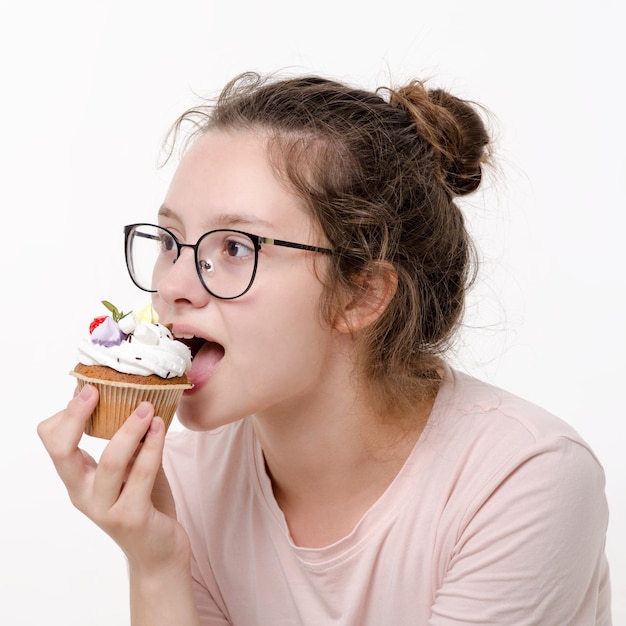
184 336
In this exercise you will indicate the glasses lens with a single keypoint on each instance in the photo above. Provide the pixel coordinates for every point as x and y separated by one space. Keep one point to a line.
150 252
226 259
226 262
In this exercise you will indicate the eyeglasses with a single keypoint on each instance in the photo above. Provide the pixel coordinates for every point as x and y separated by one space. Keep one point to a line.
226 260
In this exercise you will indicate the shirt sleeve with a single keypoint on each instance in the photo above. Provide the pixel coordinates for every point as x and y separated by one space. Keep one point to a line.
530 547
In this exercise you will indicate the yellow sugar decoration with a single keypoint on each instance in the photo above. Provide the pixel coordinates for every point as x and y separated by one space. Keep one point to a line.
147 314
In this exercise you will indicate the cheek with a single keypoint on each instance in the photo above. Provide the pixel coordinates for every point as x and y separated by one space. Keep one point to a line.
287 333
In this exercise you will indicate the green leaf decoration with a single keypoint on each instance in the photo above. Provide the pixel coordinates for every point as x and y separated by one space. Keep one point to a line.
115 313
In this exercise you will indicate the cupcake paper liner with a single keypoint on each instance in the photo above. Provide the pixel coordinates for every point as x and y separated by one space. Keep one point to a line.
118 400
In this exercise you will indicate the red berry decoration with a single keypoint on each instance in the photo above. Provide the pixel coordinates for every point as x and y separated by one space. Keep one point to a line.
96 322
115 314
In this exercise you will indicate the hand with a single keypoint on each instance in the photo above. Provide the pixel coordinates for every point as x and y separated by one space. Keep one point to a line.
126 494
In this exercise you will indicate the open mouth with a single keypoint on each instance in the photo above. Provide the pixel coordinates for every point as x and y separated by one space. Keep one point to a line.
194 344
205 356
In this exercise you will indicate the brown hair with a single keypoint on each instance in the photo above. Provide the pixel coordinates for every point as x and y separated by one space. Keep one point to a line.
379 171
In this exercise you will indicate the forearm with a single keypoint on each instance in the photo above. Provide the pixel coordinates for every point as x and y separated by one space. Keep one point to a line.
162 598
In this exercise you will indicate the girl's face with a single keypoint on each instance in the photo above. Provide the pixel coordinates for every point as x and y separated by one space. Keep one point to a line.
268 349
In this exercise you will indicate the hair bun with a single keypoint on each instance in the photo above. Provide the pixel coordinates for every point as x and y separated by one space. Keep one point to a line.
454 129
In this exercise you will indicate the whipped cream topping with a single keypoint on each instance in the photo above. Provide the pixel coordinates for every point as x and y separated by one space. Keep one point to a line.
135 344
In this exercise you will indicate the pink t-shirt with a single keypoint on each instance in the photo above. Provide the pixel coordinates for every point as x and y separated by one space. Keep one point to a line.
497 517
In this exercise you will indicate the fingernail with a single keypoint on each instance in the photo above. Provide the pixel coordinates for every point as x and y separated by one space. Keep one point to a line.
142 410
155 426
86 392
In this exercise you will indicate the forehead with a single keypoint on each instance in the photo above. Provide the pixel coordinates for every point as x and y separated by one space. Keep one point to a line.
220 162
227 173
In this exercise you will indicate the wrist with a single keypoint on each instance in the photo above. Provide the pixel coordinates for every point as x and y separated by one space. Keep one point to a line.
177 564
162 594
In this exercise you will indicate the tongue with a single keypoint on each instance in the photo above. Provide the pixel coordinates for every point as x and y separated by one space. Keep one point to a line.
205 361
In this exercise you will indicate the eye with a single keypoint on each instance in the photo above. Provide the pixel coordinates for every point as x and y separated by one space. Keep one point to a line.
167 243
241 248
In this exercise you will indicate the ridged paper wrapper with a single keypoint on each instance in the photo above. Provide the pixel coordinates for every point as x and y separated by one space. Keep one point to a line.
119 399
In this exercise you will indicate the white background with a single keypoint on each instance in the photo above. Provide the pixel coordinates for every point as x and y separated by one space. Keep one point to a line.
88 91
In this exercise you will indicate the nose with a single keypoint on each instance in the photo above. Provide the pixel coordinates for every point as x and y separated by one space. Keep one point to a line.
181 284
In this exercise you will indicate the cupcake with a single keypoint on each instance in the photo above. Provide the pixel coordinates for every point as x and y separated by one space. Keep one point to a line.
130 357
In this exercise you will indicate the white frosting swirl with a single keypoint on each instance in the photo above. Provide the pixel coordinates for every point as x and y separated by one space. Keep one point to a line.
150 349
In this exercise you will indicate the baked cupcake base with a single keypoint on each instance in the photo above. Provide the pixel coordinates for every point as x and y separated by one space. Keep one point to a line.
118 399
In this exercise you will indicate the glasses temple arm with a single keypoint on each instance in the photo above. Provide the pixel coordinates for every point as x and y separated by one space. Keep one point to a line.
139 233
291 244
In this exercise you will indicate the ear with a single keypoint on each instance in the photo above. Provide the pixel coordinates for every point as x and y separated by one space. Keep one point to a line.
365 303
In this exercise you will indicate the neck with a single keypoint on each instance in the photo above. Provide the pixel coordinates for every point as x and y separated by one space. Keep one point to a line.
331 461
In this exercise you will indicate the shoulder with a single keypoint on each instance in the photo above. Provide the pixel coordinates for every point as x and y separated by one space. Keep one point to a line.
479 436
475 411
515 487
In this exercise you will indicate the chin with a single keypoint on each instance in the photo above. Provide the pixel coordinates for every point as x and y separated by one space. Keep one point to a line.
190 419
202 419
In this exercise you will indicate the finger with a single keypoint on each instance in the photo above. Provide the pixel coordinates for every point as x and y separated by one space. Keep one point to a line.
118 455
142 476
62 432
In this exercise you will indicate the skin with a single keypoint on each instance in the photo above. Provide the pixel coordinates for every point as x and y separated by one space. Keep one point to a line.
268 356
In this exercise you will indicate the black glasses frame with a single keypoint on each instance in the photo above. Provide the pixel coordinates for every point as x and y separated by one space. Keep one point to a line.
257 240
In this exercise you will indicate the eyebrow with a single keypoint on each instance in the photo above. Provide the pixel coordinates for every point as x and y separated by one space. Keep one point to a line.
222 220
